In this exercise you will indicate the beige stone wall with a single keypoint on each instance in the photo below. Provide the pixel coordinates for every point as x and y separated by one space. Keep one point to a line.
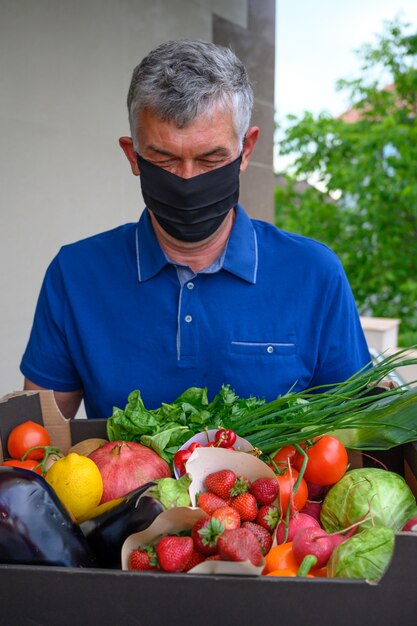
65 70
255 45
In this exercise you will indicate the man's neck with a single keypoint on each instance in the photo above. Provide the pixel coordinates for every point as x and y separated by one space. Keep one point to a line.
199 254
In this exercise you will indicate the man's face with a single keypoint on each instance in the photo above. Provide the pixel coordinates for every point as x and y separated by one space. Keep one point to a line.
209 142
205 144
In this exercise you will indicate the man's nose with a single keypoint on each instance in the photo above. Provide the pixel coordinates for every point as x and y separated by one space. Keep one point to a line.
187 169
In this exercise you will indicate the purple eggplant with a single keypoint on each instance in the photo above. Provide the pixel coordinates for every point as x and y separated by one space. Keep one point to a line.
107 531
35 527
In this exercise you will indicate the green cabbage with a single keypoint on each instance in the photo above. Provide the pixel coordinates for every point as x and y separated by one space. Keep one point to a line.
365 555
385 494
171 492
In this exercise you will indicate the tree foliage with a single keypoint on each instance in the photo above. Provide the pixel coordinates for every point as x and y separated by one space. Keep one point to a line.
370 164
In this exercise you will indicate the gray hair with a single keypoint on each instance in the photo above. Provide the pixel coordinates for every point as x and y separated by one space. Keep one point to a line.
181 80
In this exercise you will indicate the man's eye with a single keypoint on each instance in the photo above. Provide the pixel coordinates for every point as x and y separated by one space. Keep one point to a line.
165 162
211 162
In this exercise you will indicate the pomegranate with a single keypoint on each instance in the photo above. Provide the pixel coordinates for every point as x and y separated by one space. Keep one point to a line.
125 466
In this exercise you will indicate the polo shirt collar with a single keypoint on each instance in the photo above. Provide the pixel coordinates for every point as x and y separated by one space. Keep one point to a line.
241 258
242 248
150 257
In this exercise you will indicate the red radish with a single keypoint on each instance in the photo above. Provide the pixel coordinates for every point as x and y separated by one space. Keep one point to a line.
316 492
313 509
125 466
317 542
411 525
296 523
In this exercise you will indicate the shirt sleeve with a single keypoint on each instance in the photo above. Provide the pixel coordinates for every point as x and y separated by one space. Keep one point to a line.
47 360
343 349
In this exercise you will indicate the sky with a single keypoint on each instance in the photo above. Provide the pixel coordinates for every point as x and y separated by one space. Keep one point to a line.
315 47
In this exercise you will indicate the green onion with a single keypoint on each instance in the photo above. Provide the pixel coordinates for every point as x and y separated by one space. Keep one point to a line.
357 411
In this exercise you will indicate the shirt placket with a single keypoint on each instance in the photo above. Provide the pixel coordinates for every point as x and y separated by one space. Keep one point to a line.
187 322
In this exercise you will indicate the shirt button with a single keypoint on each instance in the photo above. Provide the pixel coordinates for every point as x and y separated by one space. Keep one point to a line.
190 286
188 318
270 349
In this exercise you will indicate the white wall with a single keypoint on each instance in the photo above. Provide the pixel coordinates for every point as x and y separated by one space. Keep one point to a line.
65 67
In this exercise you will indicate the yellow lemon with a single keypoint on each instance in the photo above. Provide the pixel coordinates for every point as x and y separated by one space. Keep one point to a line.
77 482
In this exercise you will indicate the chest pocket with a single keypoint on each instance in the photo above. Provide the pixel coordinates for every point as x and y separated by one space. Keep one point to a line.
264 348
262 367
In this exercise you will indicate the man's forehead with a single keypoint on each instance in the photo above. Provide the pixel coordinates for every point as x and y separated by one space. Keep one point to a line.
213 116
205 135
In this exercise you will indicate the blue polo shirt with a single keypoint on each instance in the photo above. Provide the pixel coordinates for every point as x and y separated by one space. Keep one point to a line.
113 315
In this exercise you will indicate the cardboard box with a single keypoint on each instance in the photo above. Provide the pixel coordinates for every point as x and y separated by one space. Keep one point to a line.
40 407
56 596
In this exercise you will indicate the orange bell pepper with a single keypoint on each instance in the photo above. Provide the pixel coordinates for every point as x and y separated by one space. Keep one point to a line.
281 557
280 561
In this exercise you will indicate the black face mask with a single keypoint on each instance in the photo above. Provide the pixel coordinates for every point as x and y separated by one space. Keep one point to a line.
190 209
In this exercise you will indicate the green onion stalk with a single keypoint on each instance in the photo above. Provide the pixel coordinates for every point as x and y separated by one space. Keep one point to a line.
363 414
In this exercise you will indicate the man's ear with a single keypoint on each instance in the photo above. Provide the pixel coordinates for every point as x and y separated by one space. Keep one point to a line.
249 142
126 145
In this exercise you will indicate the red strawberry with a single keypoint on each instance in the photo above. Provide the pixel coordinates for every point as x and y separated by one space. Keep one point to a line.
209 502
174 552
220 483
262 534
239 545
143 559
205 534
267 517
245 505
265 490
195 559
214 557
228 516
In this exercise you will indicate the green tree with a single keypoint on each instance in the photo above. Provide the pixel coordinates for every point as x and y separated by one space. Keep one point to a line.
368 161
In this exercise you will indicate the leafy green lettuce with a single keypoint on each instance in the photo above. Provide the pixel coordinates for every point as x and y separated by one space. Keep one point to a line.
168 427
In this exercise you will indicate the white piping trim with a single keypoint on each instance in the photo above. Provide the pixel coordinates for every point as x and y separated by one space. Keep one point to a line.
179 324
261 343
137 253
255 271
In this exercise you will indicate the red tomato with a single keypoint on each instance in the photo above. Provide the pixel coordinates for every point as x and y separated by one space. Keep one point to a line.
25 436
284 456
29 464
286 483
327 461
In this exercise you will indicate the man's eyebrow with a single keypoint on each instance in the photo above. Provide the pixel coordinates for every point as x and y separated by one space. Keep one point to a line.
160 150
218 150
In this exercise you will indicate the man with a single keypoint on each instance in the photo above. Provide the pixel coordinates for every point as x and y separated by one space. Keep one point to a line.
196 293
